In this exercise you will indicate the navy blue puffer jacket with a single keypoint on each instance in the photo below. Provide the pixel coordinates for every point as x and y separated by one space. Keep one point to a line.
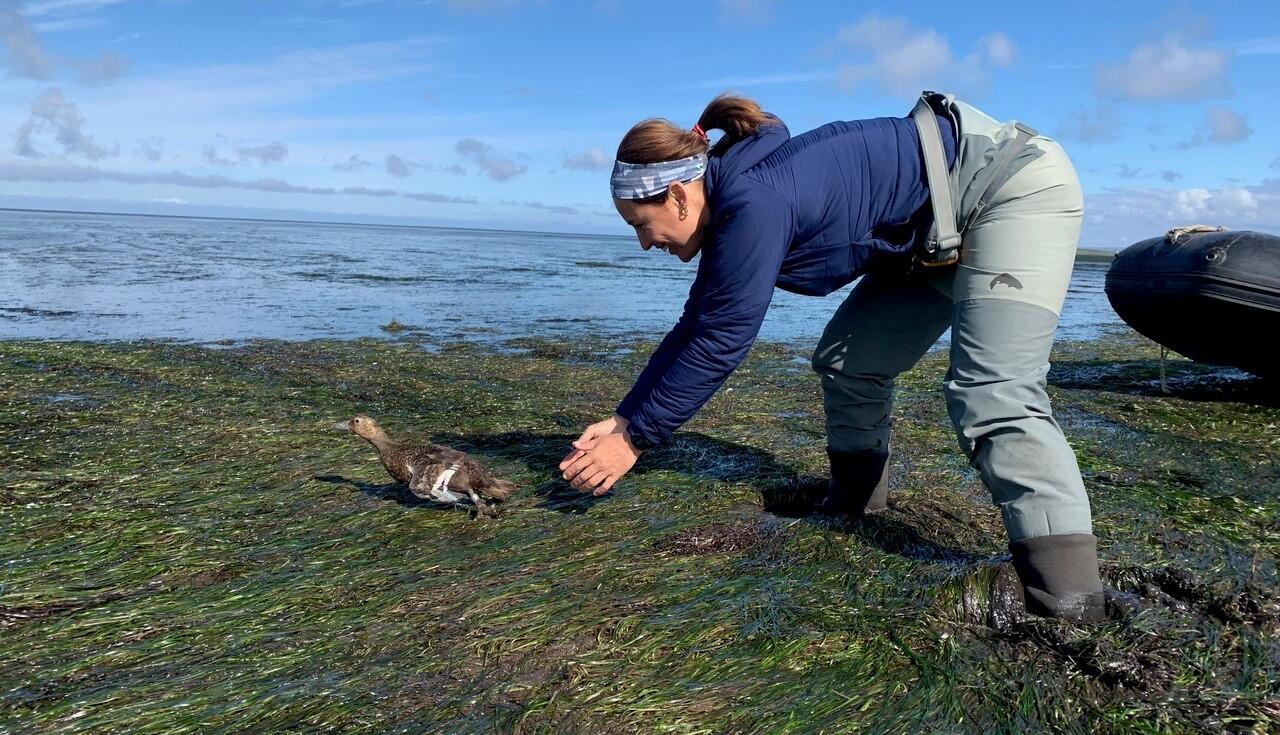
808 215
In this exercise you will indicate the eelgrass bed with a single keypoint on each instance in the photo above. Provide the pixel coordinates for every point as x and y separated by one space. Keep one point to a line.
186 546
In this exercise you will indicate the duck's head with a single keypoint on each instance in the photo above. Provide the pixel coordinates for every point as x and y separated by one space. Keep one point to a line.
361 426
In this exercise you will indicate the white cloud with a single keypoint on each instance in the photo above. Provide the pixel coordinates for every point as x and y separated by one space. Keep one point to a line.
209 154
397 166
902 60
610 8
53 6
71 173
51 112
592 159
25 55
1100 125
1229 201
756 81
66 173
998 49
1125 171
263 100
151 149
440 198
1221 126
1227 126
355 163
366 191
553 208
66 24
1118 217
1170 68
1258 46
229 90
746 11
273 152
485 5
105 68
498 167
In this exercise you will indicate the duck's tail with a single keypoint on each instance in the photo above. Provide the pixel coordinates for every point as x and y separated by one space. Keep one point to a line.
500 489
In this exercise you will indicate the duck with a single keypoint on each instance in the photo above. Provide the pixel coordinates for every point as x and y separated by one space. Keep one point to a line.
432 471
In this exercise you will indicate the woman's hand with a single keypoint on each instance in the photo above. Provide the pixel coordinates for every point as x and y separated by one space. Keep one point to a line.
600 457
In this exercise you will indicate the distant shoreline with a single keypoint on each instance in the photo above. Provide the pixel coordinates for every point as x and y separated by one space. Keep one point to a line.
1092 255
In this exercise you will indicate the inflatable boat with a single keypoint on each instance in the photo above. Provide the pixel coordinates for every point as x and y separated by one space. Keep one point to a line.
1210 294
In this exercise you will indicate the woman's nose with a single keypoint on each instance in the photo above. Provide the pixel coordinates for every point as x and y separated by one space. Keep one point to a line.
644 244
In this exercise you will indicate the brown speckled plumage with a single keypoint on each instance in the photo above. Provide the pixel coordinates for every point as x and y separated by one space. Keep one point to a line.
423 468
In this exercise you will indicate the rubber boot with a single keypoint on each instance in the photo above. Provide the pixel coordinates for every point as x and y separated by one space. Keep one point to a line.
1059 576
859 483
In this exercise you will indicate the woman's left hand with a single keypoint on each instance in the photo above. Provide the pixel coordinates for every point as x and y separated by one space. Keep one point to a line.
599 467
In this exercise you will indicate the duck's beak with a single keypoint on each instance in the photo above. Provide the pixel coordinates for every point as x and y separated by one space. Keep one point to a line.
343 426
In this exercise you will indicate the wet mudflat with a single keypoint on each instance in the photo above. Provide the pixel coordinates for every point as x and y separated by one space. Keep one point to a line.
187 546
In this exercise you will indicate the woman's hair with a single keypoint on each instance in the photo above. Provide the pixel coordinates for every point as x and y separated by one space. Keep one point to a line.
655 139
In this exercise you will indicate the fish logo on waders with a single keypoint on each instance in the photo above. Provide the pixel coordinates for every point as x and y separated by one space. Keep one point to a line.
1007 280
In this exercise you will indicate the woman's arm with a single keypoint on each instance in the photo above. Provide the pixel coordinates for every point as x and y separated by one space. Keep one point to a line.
739 270
668 349
742 269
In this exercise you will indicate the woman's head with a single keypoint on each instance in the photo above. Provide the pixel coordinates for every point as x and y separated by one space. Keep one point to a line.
658 178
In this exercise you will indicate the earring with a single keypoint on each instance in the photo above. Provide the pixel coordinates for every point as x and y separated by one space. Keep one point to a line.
684 209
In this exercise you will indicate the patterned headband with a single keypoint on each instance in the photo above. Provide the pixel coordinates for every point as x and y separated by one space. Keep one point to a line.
643 180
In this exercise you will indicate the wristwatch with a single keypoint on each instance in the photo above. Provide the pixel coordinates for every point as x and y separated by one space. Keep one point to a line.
639 442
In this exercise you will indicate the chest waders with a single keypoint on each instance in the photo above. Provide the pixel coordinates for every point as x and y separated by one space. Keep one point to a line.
995 270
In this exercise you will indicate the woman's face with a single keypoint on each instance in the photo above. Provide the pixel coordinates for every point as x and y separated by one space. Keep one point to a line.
660 225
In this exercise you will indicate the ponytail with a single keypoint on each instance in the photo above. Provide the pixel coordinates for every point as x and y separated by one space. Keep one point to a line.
738 117
654 140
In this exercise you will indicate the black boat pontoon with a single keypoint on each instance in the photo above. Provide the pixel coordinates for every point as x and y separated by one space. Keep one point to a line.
1210 294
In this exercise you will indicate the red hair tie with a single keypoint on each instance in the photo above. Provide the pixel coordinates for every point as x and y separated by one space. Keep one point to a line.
701 133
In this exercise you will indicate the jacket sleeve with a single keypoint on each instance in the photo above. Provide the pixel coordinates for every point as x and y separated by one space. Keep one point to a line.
739 270
667 350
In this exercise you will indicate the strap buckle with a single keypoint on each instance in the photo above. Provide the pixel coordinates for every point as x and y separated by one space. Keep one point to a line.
941 258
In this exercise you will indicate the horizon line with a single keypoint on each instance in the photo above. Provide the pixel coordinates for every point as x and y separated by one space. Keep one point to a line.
1079 249
304 222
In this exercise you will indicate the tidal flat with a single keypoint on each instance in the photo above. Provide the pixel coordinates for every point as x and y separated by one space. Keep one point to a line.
187 546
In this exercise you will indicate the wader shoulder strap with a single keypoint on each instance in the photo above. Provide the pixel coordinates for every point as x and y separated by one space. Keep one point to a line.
1009 160
944 241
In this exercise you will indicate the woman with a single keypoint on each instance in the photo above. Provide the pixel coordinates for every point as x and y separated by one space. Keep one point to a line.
812 213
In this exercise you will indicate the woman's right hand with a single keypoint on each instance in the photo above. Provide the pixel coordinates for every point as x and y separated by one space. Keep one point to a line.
592 434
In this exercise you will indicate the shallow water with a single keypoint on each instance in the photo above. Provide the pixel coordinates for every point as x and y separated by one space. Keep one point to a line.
113 277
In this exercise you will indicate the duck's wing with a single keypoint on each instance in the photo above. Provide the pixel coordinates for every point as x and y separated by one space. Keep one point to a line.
431 481
467 474
436 453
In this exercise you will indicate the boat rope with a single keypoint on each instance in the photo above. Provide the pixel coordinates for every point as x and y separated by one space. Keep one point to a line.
1177 233
1164 351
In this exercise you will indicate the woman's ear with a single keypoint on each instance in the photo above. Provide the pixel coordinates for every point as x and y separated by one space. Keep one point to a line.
677 191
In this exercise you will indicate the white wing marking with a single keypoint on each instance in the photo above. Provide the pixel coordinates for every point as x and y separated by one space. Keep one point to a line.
440 490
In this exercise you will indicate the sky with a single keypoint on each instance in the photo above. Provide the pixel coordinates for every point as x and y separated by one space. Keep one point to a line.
505 114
